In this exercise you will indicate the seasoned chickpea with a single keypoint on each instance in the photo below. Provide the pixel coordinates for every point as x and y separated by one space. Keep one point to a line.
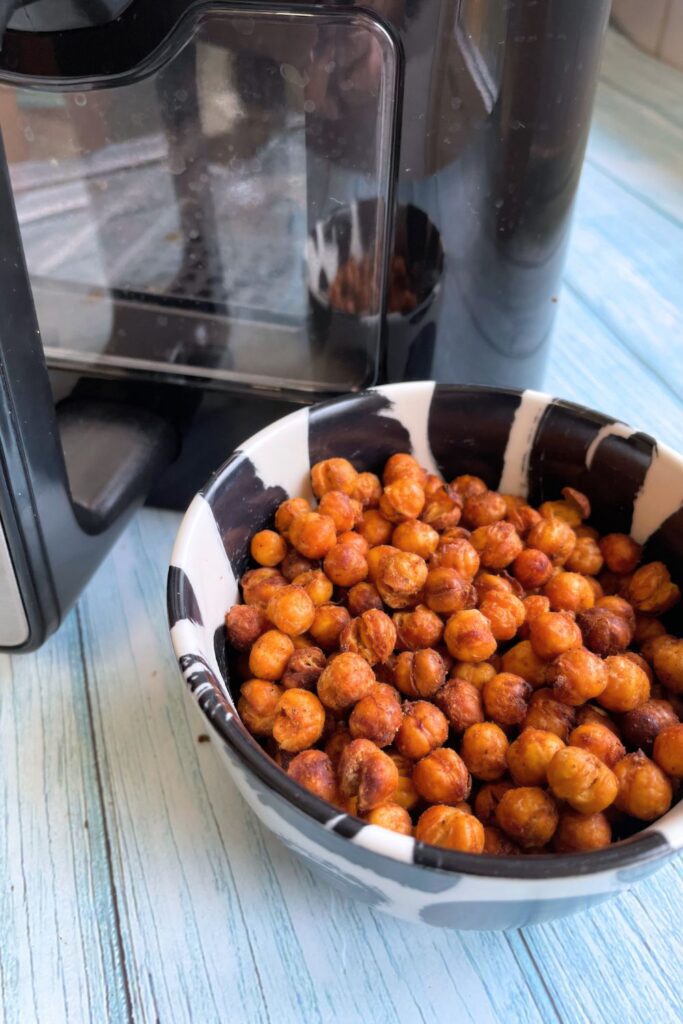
402 499
592 713
484 751
461 703
268 547
294 565
419 673
467 486
577 832
532 568
442 512
553 633
599 740
367 773
505 698
391 816
372 635
376 558
403 466
555 538
291 610
545 712
487 799
458 554
523 518
415 536
560 510
627 685
377 716
299 720
484 509
259 585
522 661
326 628
345 565
604 632
497 844
287 513
641 726
244 624
333 475
582 779
668 750
650 589
418 628
313 770
401 578
270 654
374 528
530 754
644 790
312 535
586 557
362 597
442 777
534 605
345 681
505 613
498 545
528 815
257 705
337 742
451 828
304 668
475 672
406 795
493 581
344 511
424 728
468 636
316 584
668 663
570 592
577 676
367 490
446 592
648 628
621 553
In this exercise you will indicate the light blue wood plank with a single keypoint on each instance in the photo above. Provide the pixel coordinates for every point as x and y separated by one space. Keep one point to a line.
643 78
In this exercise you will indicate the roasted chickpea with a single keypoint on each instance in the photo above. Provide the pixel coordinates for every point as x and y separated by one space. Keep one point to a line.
586 558
424 728
497 844
294 565
668 664
442 512
338 741
406 795
582 779
554 537
299 720
304 669
456 554
259 585
505 698
414 536
484 751
467 486
577 676
604 632
291 610
362 597
577 832
485 582
523 518
445 826
651 590
391 816
287 513
668 750
344 511
644 790
442 777
367 773
627 685
419 673
621 553
372 635
497 545
367 490
505 613
468 636
545 712
403 466
649 648
461 703
312 535
402 499
313 770
530 754
346 680
270 654
592 713
377 716
376 558
268 547
532 568
570 592
534 605
345 565
484 509
244 624
418 628
560 510
446 592
599 740
327 625
316 584
257 705
522 661
400 579
528 815
641 726
553 633
648 628
487 799
475 672
374 528
333 475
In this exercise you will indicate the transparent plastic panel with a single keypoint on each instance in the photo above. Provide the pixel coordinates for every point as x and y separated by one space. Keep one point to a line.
208 220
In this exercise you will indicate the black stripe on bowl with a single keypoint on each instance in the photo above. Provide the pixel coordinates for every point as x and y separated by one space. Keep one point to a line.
469 429
358 429
666 545
181 600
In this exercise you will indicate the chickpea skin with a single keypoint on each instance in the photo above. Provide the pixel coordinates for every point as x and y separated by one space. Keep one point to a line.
597 739
522 661
484 751
487 799
528 815
668 664
532 568
569 592
445 826
268 547
505 613
462 705
468 636
650 589
327 625
402 499
345 681
505 698
498 545
416 537
313 770
577 833
291 610
553 633
257 705
304 668
362 597
244 624
367 773
333 475
401 577
270 654
668 750
391 816
446 592
553 537
372 635
641 726
312 535
418 628
621 553
577 676
644 790
424 728
442 777
419 673
627 685
582 779
530 754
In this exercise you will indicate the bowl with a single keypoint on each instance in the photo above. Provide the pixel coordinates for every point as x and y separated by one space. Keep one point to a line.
519 442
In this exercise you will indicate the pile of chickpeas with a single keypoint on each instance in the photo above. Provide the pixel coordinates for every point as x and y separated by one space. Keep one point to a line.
451 663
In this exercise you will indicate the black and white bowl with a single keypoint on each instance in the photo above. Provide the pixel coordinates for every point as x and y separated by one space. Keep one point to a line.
519 443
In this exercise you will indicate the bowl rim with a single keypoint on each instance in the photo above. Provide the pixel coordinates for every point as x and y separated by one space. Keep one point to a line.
644 847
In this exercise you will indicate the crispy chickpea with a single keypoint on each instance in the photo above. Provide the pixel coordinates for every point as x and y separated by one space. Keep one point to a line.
621 553
424 728
648 628
484 751
406 795
644 790
560 510
461 703
618 606
403 466
316 584
378 716
484 509
505 613
641 726
418 628
534 605
467 486
287 513
294 565
345 681
528 815
259 585
627 685
446 592
362 597
345 565
570 592
523 518
326 628
313 770
402 499
545 712
468 636
555 538
367 490
497 545
400 579
333 475
651 590
497 844
257 705
530 754
487 799
304 669
376 559
579 832
522 661
343 510
441 512
649 648
577 676
268 547
668 750
451 828
338 740
475 672
532 568
270 654
419 673
637 659
391 816
582 779
367 773
413 535
586 558
599 740
299 720
505 698
598 592
603 632
553 633
244 624
433 485
457 554
442 777
592 713
374 528
291 610
501 584
312 534
668 664
372 635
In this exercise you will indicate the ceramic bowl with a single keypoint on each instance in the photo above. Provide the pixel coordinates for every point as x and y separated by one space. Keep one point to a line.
519 443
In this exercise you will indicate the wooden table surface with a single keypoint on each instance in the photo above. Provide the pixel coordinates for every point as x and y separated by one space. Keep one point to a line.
135 885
